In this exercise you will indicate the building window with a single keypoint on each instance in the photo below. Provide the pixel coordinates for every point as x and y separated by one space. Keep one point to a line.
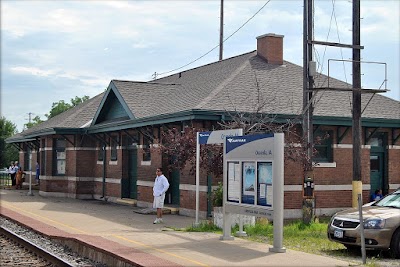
60 156
323 146
146 149
100 151
378 139
43 157
114 143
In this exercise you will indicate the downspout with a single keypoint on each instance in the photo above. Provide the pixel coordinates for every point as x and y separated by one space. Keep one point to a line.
104 171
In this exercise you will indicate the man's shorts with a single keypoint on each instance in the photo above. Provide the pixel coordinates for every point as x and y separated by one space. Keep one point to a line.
158 202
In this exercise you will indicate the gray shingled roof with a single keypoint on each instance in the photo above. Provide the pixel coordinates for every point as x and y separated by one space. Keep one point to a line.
76 117
228 85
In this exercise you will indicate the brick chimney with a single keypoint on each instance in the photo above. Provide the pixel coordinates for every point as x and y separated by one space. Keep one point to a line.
270 48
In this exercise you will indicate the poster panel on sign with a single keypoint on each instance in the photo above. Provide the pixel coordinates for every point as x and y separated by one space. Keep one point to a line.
233 182
249 182
264 185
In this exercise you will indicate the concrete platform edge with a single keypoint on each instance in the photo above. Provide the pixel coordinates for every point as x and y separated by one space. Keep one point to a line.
80 245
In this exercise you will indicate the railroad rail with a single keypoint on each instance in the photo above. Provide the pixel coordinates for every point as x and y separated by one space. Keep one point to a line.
52 259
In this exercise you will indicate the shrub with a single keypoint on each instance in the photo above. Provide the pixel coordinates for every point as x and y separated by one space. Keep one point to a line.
217 196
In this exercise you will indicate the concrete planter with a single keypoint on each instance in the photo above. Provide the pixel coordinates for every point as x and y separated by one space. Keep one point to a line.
217 216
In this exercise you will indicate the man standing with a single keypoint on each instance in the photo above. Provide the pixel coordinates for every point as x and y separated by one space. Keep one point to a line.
16 169
11 171
161 186
37 172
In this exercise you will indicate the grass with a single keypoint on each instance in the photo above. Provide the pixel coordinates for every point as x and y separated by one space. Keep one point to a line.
204 226
310 238
297 235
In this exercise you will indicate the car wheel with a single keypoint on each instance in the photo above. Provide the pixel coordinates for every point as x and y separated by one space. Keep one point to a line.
395 245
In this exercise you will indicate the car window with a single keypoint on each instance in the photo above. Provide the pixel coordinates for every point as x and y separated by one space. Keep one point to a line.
392 200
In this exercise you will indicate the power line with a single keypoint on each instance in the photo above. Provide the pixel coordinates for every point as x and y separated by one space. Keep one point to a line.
333 15
158 74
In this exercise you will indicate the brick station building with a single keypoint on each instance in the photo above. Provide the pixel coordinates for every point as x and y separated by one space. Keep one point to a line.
102 148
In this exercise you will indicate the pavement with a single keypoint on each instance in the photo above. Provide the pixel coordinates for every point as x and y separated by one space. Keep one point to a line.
132 236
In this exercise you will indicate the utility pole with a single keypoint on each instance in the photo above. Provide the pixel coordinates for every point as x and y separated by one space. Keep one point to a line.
30 117
356 92
308 81
221 31
308 84
356 129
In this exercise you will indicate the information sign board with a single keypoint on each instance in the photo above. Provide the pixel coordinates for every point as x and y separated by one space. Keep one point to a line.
253 180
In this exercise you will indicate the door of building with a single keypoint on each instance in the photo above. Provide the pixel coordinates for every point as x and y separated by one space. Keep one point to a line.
129 184
376 171
378 162
132 172
173 193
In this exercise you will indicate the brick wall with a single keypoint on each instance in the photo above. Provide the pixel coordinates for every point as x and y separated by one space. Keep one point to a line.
394 167
293 200
188 200
85 159
333 199
83 163
145 193
84 187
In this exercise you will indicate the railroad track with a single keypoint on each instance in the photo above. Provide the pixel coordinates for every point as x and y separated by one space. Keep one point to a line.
18 251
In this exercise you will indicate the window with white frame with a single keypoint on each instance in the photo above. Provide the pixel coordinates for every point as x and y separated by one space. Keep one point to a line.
60 156
114 144
323 141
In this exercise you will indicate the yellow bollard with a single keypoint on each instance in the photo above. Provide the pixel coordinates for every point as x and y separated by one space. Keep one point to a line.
357 189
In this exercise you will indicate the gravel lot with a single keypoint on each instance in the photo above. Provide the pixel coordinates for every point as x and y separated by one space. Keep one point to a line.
48 244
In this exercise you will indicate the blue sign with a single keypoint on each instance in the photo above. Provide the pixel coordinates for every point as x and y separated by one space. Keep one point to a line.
237 141
217 137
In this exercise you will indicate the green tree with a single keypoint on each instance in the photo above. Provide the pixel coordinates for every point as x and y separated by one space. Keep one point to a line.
78 100
61 106
180 148
58 108
36 120
8 151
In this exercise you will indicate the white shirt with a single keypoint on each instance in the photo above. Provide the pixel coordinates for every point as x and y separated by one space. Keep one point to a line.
11 169
161 185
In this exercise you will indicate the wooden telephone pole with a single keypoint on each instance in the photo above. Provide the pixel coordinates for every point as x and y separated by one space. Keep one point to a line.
309 69
221 31
356 129
308 81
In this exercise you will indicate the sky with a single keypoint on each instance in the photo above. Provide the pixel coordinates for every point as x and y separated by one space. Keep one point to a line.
56 50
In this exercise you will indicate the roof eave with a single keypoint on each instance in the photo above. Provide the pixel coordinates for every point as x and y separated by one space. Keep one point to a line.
157 120
365 122
44 132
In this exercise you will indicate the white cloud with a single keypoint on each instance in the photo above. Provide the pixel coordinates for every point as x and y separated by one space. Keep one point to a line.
18 20
381 21
32 71
85 79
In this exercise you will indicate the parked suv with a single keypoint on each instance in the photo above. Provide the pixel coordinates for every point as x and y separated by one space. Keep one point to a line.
381 225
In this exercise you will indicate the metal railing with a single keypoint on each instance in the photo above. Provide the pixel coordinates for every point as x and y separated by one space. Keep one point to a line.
5 179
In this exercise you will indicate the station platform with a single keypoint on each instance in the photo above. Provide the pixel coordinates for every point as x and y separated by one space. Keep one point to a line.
109 230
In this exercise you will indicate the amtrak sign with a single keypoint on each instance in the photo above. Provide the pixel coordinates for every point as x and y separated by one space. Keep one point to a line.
253 181
217 137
